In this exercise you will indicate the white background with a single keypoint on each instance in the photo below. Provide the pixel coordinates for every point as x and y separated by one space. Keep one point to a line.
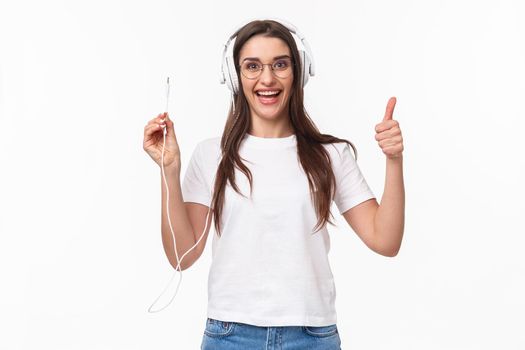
81 257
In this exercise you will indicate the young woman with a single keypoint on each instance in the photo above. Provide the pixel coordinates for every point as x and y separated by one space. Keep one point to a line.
269 181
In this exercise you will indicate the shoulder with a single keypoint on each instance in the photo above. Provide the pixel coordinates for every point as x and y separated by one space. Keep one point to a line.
209 149
210 143
337 150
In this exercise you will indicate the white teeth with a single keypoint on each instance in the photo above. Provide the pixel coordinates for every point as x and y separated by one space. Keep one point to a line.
268 93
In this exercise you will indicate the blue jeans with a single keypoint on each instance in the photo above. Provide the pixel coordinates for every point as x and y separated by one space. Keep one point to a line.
219 335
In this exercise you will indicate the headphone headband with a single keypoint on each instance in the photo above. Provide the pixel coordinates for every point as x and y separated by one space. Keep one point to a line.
229 73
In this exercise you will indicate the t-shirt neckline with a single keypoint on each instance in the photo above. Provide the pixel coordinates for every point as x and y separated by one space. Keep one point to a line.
269 142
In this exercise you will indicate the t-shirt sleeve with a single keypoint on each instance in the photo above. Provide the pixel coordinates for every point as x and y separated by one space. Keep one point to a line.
351 186
194 186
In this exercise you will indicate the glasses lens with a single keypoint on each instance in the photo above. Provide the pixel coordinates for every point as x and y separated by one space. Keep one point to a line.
251 69
282 67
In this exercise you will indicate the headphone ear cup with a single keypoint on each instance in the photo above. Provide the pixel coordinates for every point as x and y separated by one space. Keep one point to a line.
231 75
305 66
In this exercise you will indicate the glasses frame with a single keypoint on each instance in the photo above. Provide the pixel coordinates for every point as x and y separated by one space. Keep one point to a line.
271 68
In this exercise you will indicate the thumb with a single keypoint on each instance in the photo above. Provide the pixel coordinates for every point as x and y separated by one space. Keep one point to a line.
170 131
390 109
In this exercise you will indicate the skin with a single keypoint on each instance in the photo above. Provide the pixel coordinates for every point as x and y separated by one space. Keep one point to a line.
267 120
381 227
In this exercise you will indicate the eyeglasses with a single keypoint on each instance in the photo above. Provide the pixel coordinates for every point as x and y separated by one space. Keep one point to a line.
281 68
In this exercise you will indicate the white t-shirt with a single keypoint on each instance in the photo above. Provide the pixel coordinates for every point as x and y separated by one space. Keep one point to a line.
268 269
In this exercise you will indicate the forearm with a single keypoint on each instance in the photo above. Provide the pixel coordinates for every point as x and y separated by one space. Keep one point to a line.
180 222
389 221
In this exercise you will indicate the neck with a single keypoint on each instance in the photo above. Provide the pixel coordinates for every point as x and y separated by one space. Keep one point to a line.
274 128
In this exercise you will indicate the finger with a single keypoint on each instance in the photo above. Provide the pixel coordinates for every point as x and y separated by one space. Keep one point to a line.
166 116
150 129
386 125
170 130
155 120
391 132
380 136
151 136
391 141
390 109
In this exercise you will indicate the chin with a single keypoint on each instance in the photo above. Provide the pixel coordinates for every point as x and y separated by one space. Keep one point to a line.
269 114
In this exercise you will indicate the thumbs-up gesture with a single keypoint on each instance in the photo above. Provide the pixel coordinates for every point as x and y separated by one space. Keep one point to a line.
388 133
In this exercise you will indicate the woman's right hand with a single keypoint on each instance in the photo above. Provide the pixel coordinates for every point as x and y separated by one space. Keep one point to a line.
153 140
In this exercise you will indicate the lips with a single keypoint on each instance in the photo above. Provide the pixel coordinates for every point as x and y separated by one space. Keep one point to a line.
268 97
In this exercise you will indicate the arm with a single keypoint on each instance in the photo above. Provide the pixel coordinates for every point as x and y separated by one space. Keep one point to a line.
186 219
180 222
389 219
381 226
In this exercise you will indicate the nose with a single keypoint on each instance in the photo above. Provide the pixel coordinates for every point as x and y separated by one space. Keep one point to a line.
267 76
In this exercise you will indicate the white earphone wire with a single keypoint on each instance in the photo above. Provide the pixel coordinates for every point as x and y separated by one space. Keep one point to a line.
169 219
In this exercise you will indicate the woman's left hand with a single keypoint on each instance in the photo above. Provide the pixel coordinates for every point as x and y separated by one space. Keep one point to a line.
388 133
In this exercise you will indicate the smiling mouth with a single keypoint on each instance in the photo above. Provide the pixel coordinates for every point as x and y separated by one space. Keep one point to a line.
269 97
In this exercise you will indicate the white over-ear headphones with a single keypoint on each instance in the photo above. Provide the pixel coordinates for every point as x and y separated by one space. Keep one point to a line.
229 73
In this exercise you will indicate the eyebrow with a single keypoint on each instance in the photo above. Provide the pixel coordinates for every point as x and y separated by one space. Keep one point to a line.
257 58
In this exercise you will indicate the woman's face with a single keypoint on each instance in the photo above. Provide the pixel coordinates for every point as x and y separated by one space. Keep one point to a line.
266 50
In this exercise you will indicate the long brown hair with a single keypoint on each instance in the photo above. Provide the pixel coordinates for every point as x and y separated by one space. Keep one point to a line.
314 158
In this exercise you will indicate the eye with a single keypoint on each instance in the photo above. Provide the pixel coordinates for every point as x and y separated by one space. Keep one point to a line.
281 64
252 66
